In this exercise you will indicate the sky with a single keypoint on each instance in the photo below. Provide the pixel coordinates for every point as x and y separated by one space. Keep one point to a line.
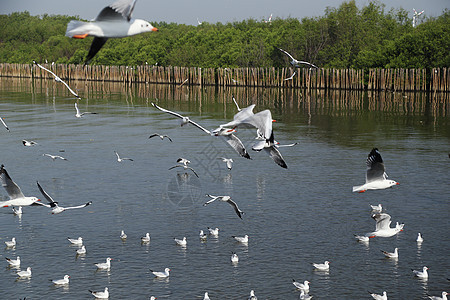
212 11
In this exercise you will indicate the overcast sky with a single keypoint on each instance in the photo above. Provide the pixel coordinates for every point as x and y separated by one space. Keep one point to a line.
212 11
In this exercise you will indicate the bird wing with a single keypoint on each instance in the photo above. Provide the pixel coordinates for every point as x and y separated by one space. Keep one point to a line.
236 144
307 63
375 166
153 135
290 56
276 156
54 75
167 137
79 206
76 107
4 123
70 90
288 145
241 117
234 100
186 167
47 196
10 186
383 221
263 122
236 208
213 198
119 10
200 127
96 45
168 111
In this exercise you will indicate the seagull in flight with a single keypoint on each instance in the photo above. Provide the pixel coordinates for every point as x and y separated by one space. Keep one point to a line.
57 79
183 163
4 123
382 228
53 157
81 114
16 197
184 120
291 77
119 159
161 136
225 199
114 21
296 63
376 177
228 161
56 209
29 143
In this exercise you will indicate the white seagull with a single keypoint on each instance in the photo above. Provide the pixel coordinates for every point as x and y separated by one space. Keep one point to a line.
119 159
182 243
213 231
81 251
26 273
234 257
65 280
419 238
145 239
302 286
252 296
444 297
11 243
304 296
161 136
57 79
100 294
29 143
379 297
53 157
114 21
241 239
17 211
228 161
376 177
78 241
206 296
292 76
421 274
184 120
322 267
382 227
13 262
105 265
183 163
16 197
202 235
56 209
376 208
123 235
225 199
270 148
296 63
161 274
362 238
4 123
391 254
79 114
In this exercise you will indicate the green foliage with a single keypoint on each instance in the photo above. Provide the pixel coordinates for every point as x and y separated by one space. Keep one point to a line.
344 37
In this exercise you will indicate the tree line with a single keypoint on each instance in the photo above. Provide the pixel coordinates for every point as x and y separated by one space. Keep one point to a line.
344 37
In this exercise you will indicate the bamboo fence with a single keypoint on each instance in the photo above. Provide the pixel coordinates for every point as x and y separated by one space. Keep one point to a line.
398 80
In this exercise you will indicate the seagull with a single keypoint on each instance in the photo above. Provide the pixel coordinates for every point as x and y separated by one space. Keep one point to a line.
376 177
270 148
302 286
198 22
421 274
119 159
100 295
56 209
80 114
57 79
391 254
161 136
26 273
29 143
322 267
17 211
296 63
16 197
78 241
4 123
161 274
53 157
114 21
225 199
185 167
419 238
234 257
304 296
65 280
123 235
291 77
228 161
184 120
146 238
444 297
376 208
213 231
379 297
382 228
252 296
182 243
11 243
362 238
105 265
206 297
241 239
202 235
13 262
82 250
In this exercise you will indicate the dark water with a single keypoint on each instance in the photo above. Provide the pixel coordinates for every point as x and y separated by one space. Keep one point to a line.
293 217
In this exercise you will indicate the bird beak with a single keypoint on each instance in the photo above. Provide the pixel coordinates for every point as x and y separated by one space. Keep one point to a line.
154 29
397 183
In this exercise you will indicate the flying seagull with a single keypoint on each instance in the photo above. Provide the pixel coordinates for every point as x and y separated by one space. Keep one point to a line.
382 227
16 197
53 157
57 79
56 209
296 63
185 166
161 136
28 143
114 21
119 159
80 114
184 120
228 161
225 199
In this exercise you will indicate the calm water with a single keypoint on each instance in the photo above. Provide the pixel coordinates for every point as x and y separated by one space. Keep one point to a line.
293 217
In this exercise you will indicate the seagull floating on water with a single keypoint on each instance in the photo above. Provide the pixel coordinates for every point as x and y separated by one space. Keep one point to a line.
65 280
444 297
296 63
225 199
213 231
322 267
419 238
4 123
252 296
241 239
161 274
81 251
161 136
302 286
379 297
202 235
16 197
376 177
421 274
123 235
11 243
362 238
78 241
79 114
114 21
206 296
56 209
105 265
57 79
234 257
391 254
101 294
26 273
382 229
13 262
29 143
119 159
146 239
17 211
182 243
